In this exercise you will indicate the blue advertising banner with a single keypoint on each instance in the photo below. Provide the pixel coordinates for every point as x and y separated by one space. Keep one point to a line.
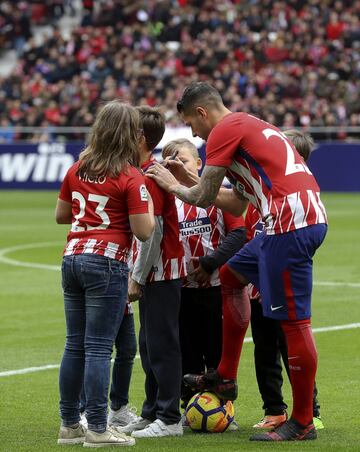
36 166
43 166
337 166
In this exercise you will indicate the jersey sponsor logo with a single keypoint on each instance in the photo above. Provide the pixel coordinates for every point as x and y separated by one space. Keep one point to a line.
275 308
49 164
196 227
143 193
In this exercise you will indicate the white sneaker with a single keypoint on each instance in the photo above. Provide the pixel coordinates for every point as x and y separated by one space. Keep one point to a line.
123 416
68 435
83 421
110 437
157 429
139 424
184 422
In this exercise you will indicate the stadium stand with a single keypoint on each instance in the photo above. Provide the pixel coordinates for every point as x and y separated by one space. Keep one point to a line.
294 63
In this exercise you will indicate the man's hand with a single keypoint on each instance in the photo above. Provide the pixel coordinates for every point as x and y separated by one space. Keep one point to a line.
181 173
134 290
199 274
162 177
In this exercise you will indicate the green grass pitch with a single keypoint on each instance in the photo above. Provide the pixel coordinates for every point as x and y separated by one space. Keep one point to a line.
32 334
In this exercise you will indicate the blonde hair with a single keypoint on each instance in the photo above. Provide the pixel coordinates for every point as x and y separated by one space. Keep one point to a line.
113 143
175 145
303 142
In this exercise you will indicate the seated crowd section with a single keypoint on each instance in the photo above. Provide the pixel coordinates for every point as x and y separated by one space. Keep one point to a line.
293 63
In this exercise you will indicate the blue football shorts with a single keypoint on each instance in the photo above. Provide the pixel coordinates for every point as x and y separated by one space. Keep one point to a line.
280 266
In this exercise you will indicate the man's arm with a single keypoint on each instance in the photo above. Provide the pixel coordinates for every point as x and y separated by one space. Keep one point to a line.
203 194
232 201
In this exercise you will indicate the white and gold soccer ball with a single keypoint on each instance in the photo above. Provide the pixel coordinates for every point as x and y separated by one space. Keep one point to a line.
205 412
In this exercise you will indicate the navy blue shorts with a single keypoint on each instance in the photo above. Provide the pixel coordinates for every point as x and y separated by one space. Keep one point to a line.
280 266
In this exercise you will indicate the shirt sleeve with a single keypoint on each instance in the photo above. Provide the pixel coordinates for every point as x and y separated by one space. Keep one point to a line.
222 144
231 244
157 194
137 196
65 191
148 253
231 222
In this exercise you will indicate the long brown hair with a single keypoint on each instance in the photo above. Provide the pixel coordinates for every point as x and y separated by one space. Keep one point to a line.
113 142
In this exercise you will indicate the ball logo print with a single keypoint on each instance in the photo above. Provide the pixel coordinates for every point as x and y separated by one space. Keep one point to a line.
207 413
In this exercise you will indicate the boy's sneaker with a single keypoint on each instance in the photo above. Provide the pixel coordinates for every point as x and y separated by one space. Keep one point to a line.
184 422
317 421
138 424
110 437
83 421
271 421
233 427
123 416
291 430
225 389
158 429
69 435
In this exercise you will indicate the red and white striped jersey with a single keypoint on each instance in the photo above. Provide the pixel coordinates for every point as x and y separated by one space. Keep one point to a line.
100 211
170 263
201 232
265 167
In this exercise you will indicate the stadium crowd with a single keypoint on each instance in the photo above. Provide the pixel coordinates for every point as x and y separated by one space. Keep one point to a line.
293 63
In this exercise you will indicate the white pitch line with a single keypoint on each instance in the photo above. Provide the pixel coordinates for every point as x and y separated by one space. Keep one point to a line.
17 263
336 283
7 260
28 370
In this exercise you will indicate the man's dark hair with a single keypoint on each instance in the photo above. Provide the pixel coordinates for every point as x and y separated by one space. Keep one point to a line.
152 122
198 94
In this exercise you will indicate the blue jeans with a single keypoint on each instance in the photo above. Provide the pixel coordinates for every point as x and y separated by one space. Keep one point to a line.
126 345
95 291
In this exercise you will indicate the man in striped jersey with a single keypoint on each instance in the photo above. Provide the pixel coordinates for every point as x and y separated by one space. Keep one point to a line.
266 170
210 237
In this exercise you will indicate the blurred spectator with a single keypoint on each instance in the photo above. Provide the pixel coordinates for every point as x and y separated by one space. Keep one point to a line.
14 24
292 62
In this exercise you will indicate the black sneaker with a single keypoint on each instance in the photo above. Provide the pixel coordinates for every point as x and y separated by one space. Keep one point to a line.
291 430
225 389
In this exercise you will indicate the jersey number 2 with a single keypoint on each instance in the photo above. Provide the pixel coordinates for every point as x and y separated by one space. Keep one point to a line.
291 166
100 212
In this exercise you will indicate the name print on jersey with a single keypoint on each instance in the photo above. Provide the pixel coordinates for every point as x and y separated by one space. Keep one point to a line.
196 227
93 180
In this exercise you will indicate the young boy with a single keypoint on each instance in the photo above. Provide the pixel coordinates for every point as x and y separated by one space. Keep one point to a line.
156 280
210 237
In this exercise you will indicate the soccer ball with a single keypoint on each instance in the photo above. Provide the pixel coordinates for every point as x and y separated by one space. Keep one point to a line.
207 413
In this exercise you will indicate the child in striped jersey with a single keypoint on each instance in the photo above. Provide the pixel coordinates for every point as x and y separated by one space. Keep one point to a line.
210 237
156 279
